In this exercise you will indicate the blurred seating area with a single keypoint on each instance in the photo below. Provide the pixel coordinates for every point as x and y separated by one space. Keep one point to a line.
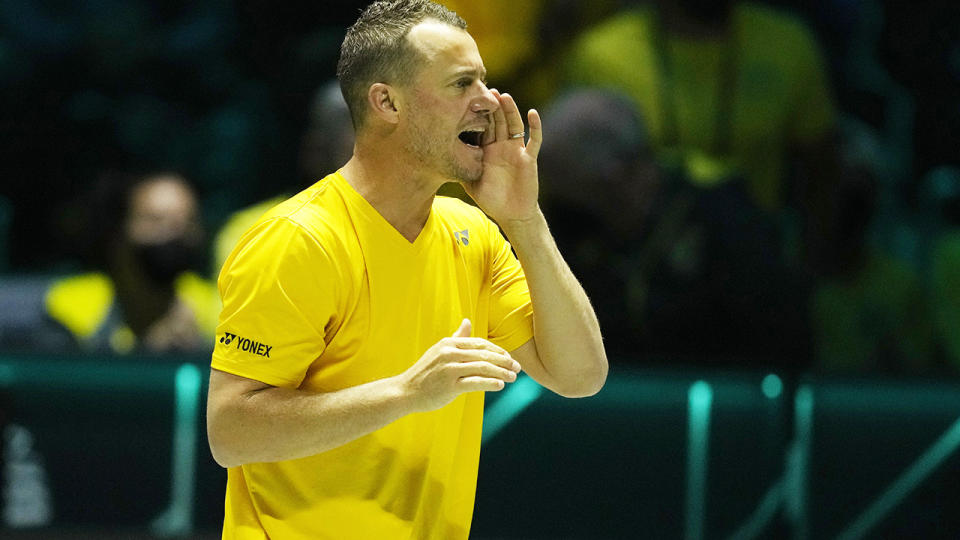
745 190
757 183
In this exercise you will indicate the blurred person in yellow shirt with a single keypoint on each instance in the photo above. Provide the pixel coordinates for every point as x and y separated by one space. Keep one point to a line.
728 90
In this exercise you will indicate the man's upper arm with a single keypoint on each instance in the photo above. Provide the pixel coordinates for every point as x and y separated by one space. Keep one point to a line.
226 386
279 291
510 312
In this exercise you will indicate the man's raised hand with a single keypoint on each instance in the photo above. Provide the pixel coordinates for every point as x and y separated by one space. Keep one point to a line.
456 365
508 188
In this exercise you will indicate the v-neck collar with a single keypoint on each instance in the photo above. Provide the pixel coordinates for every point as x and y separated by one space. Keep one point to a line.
376 220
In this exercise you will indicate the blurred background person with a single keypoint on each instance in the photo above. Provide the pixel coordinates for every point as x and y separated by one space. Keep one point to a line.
599 186
676 271
868 311
148 295
940 200
730 91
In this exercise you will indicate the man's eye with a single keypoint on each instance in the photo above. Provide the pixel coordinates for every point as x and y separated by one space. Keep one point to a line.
463 83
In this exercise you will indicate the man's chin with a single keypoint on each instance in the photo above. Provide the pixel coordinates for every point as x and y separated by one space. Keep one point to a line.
468 176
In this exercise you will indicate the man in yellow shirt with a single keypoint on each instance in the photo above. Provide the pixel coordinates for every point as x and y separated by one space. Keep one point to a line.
364 317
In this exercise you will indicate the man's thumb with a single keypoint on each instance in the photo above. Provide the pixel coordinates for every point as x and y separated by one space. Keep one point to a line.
464 330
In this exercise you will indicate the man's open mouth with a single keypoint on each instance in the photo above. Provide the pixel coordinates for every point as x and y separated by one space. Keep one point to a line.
472 137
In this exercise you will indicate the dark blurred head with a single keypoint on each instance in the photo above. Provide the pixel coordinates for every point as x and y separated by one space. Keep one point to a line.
149 219
162 226
596 159
376 48
855 200
327 143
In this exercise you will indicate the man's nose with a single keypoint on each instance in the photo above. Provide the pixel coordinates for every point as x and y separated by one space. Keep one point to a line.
485 103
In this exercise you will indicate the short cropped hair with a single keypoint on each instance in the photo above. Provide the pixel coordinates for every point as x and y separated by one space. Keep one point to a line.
375 48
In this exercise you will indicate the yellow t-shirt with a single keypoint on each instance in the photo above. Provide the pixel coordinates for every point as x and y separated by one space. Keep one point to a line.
324 294
780 93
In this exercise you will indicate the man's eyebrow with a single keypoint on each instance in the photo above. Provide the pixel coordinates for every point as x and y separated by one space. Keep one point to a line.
473 72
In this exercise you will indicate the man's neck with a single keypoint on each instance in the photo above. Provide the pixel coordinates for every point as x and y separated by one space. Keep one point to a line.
393 189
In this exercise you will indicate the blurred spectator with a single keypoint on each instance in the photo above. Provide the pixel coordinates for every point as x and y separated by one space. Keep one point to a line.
729 90
148 295
598 182
869 312
90 85
674 269
941 194
326 145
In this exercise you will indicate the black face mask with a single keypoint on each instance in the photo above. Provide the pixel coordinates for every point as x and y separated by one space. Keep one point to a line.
163 262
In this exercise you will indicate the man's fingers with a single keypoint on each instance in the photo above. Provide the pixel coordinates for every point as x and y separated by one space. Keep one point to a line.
512 115
490 135
499 119
536 133
483 369
502 360
477 343
463 330
480 384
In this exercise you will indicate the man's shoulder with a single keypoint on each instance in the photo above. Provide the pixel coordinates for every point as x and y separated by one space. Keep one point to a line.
313 224
318 211
319 202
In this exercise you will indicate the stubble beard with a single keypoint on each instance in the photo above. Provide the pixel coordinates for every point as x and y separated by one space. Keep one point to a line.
434 153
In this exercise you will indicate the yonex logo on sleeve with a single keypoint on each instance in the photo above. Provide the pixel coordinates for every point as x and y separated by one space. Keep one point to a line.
463 236
247 345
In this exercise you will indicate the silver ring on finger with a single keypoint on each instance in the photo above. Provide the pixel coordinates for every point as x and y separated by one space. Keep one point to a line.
518 135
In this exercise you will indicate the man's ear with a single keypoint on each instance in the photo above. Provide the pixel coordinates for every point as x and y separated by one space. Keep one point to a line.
384 102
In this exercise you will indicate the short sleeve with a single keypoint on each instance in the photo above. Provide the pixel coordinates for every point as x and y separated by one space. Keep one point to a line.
278 289
511 314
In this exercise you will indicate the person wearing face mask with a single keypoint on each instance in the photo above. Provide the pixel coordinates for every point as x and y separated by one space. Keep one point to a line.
148 296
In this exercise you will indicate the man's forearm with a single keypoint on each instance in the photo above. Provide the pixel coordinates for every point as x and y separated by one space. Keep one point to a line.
274 424
249 421
566 330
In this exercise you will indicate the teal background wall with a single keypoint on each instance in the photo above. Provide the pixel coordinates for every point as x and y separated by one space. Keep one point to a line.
656 454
